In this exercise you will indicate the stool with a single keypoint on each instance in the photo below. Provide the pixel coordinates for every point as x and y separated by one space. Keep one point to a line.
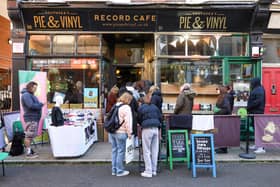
3 156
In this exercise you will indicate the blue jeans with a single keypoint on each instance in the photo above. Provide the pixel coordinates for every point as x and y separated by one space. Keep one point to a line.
118 141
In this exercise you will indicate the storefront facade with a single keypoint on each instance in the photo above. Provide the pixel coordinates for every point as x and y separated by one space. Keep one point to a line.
97 45
271 60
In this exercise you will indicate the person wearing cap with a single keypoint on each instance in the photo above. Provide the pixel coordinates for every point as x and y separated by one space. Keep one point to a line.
184 102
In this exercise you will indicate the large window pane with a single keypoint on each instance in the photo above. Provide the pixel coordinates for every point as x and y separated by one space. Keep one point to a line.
171 45
272 50
88 44
201 45
64 45
233 46
203 75
39 45
74 79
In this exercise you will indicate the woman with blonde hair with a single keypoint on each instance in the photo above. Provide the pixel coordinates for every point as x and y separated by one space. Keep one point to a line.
156 97
118 139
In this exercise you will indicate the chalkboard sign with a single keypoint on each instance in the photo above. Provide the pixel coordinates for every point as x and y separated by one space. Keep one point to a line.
178 146
202 149
203 152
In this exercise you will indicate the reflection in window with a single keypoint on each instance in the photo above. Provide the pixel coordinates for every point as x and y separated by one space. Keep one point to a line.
39 45
64 44
241 71
233 46
88 44
196 72
69 78
171 45
201 45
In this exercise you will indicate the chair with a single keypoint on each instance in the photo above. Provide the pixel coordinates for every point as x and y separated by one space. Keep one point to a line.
3 156
244 120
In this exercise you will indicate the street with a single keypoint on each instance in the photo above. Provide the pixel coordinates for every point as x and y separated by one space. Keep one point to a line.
87 175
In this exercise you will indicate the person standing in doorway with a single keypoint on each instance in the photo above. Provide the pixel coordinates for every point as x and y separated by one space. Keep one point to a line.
256 105
32 113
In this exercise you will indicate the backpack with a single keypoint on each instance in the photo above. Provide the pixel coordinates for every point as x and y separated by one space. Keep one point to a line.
112 121
17 144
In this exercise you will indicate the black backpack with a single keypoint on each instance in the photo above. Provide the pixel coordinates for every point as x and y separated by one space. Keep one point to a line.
17 144
112 121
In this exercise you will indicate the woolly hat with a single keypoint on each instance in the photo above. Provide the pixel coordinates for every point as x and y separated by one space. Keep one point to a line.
185 86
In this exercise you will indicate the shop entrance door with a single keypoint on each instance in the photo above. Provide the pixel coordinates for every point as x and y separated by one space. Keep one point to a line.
271 83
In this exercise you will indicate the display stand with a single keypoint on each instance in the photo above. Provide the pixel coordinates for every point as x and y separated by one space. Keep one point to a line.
72 140
203 152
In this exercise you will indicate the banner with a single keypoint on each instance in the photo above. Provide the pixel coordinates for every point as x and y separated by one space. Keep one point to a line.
41 79
228 128
267 131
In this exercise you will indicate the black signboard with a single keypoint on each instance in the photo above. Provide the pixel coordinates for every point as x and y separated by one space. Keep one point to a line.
202 149
178 147
138 20
178 144
203 152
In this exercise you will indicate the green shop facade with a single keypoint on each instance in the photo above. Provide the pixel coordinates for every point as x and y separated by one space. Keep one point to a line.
102 44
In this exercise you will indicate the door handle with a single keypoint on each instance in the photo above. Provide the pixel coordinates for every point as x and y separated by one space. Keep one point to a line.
273 89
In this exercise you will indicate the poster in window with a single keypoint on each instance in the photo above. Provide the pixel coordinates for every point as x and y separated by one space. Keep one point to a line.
90 97
242 90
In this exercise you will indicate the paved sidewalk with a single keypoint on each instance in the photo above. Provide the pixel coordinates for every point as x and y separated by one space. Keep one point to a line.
101 152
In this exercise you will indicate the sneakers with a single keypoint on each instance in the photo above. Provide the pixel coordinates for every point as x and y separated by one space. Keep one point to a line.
113 173
31 155
148 175
253 147
154 173
260 150
124 173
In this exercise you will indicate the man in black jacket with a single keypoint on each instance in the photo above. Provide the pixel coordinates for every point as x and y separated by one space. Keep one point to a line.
256 105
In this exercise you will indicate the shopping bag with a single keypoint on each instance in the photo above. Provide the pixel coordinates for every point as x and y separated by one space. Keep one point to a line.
129 150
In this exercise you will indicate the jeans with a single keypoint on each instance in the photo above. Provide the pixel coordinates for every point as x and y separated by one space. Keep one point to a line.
118 141
150 141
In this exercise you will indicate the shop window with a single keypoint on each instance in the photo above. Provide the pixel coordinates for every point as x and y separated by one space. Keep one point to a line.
64 45
169 45
233 46
201 45
203 75
39 45
76 80
271 50
88 44
241 72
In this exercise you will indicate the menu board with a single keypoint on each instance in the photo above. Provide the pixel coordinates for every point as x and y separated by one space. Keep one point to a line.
202 149
178 145
203 152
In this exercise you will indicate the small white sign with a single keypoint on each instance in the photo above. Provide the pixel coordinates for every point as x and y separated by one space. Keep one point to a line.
18 47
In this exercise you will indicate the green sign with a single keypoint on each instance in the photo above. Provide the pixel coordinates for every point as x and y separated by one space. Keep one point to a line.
178 144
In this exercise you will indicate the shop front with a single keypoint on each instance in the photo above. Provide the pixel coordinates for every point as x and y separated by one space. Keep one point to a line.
85 51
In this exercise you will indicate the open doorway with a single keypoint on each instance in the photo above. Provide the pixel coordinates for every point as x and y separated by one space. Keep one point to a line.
128 54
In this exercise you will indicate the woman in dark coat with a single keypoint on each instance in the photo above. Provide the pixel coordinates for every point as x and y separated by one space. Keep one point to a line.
223 108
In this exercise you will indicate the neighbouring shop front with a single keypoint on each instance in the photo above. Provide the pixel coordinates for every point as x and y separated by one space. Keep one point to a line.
91 49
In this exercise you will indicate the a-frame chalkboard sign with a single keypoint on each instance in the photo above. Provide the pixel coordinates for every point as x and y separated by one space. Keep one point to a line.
178 144
203 152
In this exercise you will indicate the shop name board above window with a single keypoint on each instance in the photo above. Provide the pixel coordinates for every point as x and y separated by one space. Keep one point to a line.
190 22
147 20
